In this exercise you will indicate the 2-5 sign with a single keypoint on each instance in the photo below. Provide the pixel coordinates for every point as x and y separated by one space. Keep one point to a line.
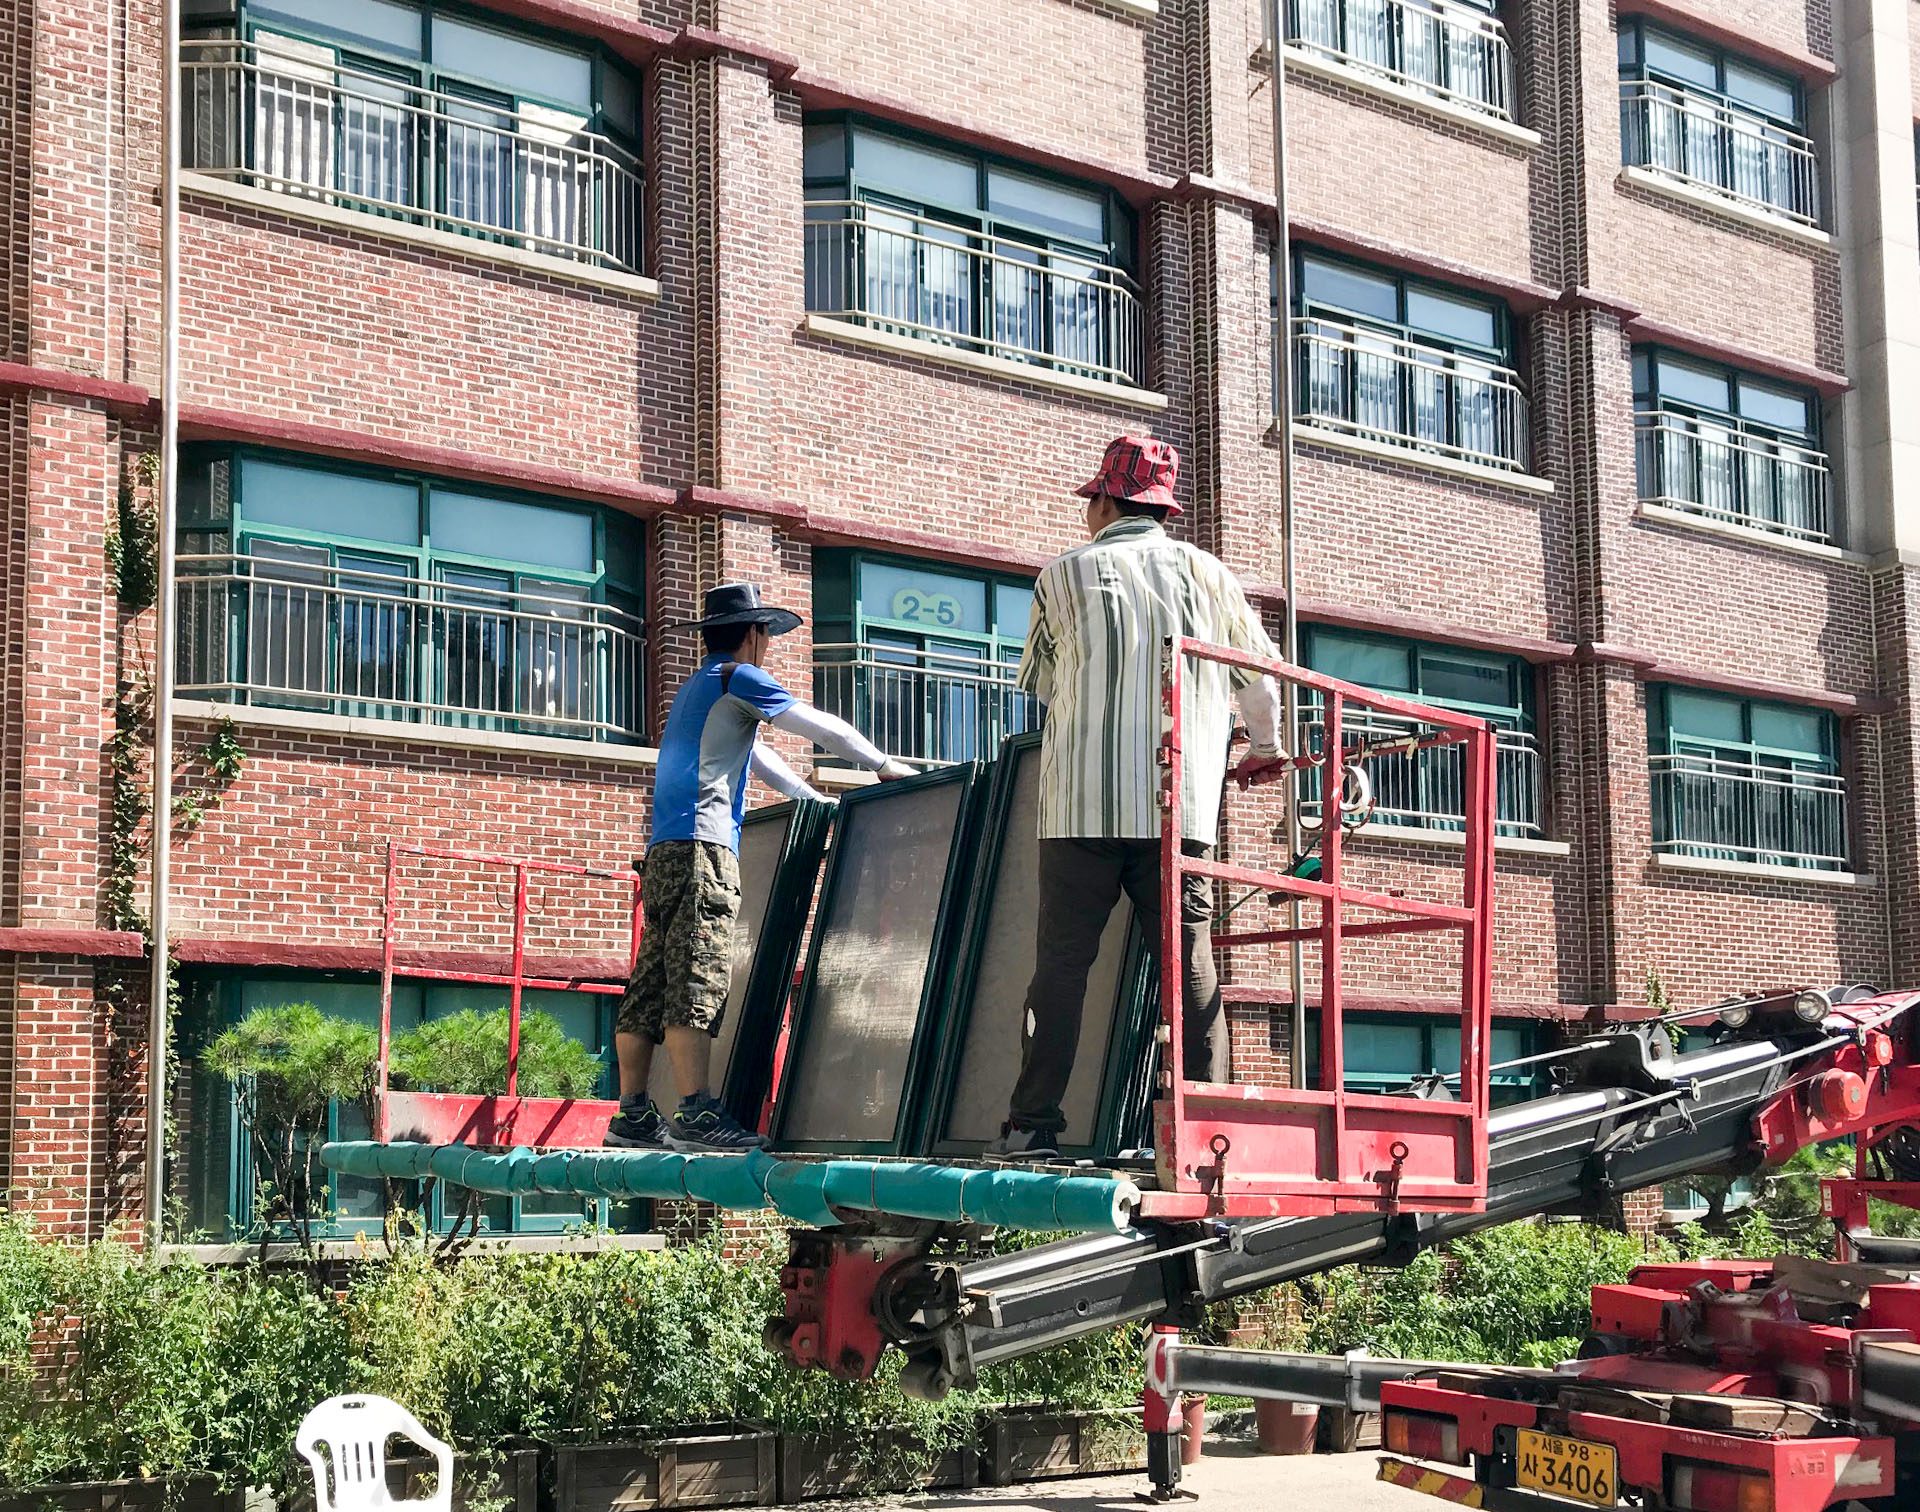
916 606
1578 1468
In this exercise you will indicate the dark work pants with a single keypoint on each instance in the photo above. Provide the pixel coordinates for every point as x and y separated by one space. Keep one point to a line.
1080 881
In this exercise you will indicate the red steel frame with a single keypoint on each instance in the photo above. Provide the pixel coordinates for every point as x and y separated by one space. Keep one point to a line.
1246 1151
450 1118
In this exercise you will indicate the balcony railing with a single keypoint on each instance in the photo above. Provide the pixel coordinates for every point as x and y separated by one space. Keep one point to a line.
1447 51
342 641
1428 789
929 707
1383 388
279 116
1734 476
958 286
1725 808
1727 152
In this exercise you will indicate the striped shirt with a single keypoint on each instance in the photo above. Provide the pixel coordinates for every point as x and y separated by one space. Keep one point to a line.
1100 613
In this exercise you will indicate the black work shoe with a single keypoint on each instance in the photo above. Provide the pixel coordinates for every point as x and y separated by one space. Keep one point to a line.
1023 1144
702 1125
637 1126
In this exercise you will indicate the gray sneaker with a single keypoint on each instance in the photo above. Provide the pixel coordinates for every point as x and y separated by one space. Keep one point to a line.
701 1125
637 1126
1023 1144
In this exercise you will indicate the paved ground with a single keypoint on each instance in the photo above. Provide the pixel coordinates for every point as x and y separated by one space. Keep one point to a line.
1231 1477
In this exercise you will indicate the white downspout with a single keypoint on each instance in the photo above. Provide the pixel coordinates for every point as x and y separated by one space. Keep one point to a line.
158 1027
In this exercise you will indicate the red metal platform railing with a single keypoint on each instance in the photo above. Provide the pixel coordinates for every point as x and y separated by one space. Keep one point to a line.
1248 1151
461 1118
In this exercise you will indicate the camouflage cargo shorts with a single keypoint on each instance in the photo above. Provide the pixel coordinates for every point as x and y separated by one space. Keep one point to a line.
690 895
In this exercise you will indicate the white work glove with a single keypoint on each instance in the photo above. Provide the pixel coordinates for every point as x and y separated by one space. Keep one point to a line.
892 771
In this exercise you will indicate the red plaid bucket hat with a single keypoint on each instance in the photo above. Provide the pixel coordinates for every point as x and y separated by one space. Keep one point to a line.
1137 468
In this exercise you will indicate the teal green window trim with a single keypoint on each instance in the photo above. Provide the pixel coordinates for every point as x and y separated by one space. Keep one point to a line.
920 656
1388 1052
1428 789
221 1175
386 594
1648 50
957 247
1746 780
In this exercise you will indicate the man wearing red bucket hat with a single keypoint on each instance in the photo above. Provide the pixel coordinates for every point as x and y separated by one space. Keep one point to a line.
1100 614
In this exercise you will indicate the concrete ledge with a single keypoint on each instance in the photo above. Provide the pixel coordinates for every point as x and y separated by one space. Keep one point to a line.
1140 9
375 1249
401 732
1760 871
850 334
428 237
1732 209
1409 456
1749 535
1356 76
1518 845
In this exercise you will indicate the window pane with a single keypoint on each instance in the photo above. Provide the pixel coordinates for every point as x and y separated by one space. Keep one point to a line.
1706 387
1705 716
920 596
1459 679
1012 608
623 551
1450 316
1765 92
1782 408
1047 206
333 504
1782 729
1380 1049
915 173
1372 664
1348 288
390 27
526 67
620 98
1688 61
1642 376
509 531
825 151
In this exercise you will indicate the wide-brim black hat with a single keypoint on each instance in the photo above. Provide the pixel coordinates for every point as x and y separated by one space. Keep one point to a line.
739 604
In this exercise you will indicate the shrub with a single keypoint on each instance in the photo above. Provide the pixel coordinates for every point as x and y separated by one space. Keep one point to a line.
467 1052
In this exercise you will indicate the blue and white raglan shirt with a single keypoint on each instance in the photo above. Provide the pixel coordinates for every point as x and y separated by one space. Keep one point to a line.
700 785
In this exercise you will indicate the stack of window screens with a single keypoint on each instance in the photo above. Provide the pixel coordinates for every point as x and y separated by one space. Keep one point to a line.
780 851
865 1024
1107 1096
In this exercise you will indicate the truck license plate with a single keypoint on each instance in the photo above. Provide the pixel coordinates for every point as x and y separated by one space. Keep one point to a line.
1572 1467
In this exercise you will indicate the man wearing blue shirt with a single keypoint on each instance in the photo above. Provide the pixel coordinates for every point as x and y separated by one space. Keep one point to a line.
690 884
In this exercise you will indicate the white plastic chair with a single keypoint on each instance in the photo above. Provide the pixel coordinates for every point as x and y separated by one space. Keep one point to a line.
355 1430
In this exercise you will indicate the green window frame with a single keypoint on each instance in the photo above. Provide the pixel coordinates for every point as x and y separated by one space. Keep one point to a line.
951 256
219 1172
375 617
922 669
1389 355
1729 444
1427 790
380 160
1388 1052
1746 780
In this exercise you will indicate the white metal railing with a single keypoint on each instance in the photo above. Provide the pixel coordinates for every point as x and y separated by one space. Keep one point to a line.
1449 51
1385 388
930 707
1428 789
959 286
346 641
1729 808
284 116
1722 150
1740 477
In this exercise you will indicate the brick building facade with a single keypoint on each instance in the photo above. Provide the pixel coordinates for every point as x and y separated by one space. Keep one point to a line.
508 326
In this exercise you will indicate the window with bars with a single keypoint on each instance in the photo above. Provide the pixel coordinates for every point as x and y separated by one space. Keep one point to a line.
1454 50
1427 789
388 595
921 656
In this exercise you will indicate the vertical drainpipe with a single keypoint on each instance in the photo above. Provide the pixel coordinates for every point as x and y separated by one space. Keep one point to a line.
1283 423
158 1028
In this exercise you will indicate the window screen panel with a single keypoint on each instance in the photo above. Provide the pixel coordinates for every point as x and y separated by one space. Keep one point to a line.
877 940
330 503
990 1006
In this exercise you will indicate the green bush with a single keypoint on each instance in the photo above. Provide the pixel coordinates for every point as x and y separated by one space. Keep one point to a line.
467 1052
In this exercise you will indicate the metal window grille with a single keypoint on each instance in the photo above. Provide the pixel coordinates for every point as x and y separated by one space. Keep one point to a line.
1451 52
1710 468
930 707
1700 141
1731 808
295 122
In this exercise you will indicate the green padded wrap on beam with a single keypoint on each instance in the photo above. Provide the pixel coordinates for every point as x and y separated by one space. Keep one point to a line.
808 1191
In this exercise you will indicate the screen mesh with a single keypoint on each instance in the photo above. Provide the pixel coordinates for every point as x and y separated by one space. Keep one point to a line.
762 841
877 924
996 997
